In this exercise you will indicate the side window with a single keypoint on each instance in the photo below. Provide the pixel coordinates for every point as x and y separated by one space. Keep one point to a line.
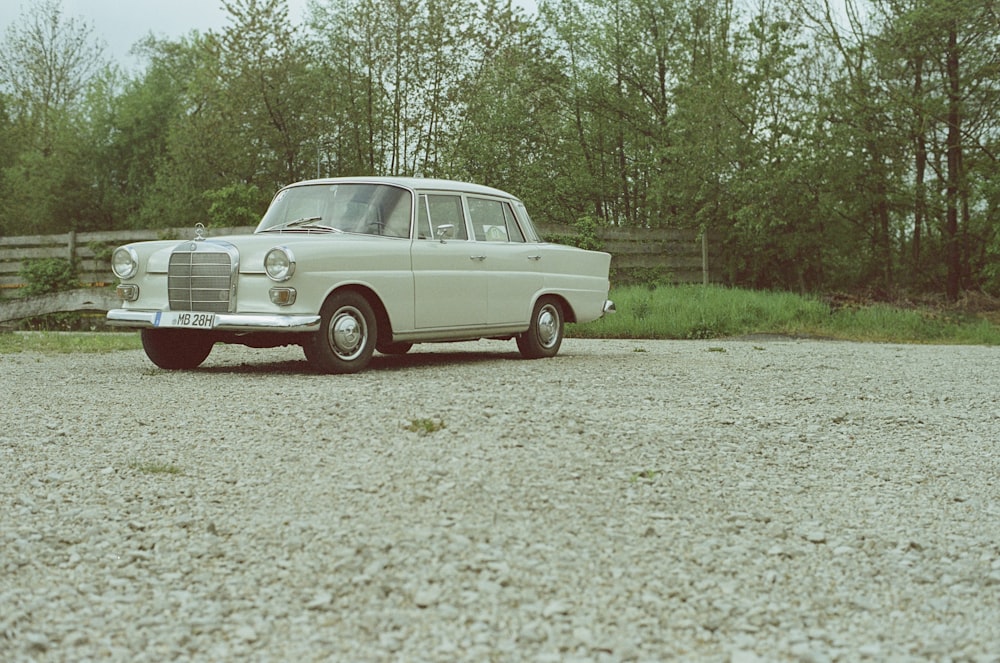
437 210
423 219
513 230
488 220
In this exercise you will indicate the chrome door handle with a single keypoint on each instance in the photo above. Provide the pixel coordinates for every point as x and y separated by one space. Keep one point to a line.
534 257
479 258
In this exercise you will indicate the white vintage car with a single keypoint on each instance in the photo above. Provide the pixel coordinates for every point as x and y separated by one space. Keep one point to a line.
347 266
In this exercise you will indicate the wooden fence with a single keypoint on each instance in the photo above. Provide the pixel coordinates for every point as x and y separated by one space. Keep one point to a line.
671 254
90 252
679 256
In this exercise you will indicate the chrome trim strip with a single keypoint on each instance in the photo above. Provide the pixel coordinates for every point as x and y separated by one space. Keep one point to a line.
248 322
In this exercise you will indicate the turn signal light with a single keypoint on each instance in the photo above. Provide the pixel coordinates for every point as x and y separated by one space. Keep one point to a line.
128 293
282 296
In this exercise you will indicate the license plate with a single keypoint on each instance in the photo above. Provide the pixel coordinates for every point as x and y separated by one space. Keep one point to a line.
184 319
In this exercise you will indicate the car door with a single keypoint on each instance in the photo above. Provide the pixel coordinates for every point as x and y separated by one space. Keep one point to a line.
448 277
509 263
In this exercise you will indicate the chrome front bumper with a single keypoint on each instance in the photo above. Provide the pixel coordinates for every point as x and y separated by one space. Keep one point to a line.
609 307
245 322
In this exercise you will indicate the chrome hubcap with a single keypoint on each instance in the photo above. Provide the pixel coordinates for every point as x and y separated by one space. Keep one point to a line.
548 327
348 333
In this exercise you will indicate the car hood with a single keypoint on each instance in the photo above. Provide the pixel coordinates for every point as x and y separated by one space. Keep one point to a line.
252 248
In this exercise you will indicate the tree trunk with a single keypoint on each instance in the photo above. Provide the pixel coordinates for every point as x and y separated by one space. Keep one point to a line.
954 177
920 166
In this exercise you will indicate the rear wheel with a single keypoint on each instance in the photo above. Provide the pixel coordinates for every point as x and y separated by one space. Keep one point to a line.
347 334
545 333
176 349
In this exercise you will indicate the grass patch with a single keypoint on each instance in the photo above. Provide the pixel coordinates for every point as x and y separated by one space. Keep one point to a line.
680 312
698 312
644 476
425 426
886 324
67 342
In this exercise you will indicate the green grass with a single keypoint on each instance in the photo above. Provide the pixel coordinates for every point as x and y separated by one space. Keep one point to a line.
425 426
697 312
67 342
672 312
644 475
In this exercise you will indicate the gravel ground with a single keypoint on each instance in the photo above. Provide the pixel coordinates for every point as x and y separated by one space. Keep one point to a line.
735 501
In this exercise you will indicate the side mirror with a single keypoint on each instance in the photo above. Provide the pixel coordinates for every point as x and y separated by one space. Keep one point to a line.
445 231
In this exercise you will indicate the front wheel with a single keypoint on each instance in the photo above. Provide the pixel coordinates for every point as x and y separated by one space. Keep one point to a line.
347 334
176 349
394 348
545 333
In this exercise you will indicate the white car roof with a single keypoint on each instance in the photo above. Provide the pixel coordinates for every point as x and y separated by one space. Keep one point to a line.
421 183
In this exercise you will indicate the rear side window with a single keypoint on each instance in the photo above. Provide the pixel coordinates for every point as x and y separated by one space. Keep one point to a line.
530 235
493 221
487 220
513 230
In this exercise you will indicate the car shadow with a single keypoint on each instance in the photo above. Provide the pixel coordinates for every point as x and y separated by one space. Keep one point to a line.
413 360
417 359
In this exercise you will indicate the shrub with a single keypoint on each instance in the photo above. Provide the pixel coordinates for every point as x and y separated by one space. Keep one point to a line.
235 205
44 275
586 237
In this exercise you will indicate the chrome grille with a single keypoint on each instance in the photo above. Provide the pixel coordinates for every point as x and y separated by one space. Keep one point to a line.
201 279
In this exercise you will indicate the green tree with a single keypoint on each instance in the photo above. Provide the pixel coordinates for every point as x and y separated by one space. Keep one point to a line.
963 35
858 131
393 72
612 101
234 205
47 62
243 106
132 125
8 153
768 201
268 93
160 136
508 129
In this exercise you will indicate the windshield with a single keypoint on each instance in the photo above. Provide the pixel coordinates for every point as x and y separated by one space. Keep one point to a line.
370 209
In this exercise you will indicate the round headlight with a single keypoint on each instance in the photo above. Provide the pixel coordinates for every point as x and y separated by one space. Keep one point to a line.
124 262
279 263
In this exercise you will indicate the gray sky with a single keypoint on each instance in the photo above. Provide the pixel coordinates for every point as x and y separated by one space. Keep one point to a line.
121 23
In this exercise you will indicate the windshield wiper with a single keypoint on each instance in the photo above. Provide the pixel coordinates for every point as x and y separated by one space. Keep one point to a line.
306 221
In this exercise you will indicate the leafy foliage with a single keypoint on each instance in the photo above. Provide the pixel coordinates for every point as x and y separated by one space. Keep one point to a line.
235 205
42 276
45 275
851 150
